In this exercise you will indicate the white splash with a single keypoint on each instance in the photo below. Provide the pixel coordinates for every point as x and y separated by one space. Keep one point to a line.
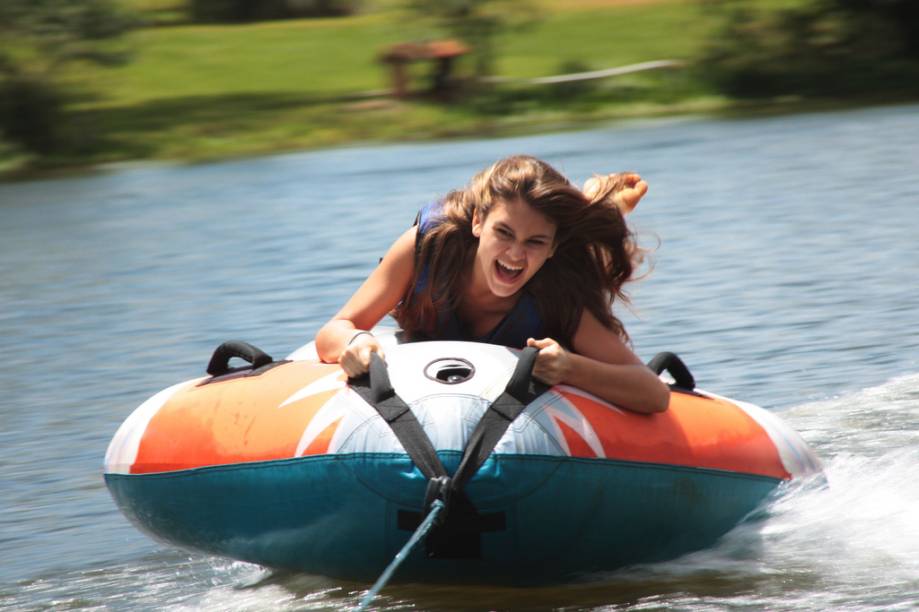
850 542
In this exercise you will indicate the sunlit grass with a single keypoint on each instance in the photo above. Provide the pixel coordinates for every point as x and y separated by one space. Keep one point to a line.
210 91
606 38
324 56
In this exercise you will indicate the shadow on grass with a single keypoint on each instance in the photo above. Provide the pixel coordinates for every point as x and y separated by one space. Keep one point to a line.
219 126
144 130
197 128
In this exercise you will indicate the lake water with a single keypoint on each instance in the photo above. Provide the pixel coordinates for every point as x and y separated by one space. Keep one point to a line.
786 273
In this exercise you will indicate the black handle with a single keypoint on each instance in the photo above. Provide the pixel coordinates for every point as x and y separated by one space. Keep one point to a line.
682 377
518 386
220 360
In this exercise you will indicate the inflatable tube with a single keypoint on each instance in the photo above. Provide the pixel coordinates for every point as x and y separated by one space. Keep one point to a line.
287 465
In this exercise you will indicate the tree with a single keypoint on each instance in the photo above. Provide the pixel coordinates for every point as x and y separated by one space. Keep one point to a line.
41 39
902 15
258 10
822 47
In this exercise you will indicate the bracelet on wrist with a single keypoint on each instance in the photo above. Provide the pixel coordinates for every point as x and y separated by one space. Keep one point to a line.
359 333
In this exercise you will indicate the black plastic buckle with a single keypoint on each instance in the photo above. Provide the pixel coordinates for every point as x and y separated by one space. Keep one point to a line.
439 487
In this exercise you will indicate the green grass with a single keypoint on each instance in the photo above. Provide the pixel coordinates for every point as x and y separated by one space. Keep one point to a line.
338 56
205 92
608 38
303 57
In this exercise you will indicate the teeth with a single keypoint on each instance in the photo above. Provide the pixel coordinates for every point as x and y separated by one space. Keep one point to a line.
511 268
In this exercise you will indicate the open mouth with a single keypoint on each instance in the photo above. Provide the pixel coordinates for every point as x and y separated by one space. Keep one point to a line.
506 273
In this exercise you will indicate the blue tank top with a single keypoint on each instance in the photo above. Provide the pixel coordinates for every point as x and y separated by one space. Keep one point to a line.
522 322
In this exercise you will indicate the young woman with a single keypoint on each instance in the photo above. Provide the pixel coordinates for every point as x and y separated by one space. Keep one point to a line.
519 257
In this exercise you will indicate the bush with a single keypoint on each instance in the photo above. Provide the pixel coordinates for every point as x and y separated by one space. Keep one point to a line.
821 48
43 39
30 114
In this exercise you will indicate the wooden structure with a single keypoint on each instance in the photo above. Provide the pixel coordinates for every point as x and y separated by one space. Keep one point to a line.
443 54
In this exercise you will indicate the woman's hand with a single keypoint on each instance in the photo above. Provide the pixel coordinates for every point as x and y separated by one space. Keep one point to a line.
355 359
625 188
553 363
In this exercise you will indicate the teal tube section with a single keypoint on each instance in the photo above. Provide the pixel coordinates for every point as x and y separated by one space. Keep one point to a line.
339 515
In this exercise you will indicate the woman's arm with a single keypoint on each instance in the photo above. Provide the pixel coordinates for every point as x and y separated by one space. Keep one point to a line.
339 339
602 365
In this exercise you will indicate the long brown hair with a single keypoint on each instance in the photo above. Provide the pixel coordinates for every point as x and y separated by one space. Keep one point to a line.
595 251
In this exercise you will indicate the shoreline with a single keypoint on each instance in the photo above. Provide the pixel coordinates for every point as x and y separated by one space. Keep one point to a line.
20 169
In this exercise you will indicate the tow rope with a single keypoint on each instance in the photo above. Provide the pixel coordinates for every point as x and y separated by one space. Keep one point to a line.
413 541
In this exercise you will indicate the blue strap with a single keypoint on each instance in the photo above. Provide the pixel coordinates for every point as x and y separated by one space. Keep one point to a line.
428 217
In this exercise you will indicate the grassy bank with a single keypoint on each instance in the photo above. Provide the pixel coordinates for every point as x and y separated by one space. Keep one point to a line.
206 92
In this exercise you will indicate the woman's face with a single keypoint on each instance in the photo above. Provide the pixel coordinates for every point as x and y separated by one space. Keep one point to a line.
514 242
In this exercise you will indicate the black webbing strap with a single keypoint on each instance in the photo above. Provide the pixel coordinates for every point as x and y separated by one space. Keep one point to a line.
457 533
521 390
377 391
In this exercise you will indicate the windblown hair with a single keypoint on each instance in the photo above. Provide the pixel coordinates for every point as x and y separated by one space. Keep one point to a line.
595 253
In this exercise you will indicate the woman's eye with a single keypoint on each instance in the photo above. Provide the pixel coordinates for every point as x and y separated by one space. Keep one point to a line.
503 233
536 243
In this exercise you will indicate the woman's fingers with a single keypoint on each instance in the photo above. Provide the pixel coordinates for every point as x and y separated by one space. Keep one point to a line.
627 179
628 197
541 343
355 359
367 350
625 188
552 362
351 364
